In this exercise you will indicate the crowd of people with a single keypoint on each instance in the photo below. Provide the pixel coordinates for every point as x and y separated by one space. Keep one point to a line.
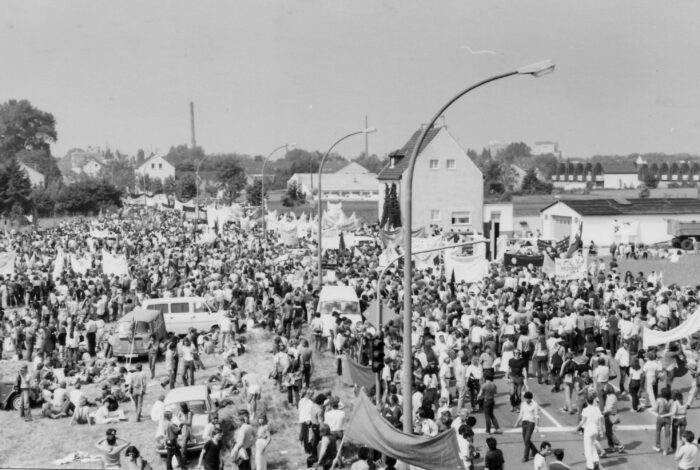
581 337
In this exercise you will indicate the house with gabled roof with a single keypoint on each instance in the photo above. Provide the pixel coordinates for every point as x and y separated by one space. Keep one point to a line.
156 167
448 187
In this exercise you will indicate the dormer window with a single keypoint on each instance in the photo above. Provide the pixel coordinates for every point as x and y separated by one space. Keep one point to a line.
392 162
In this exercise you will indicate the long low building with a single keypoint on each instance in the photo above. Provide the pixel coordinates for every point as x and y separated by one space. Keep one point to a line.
617 220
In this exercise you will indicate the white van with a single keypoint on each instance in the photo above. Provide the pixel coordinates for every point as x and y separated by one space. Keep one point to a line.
341 299
183 313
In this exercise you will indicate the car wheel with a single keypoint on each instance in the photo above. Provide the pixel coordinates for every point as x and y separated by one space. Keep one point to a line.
17 403
687 244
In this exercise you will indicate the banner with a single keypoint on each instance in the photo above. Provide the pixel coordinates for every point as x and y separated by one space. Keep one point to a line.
425 260
356 374
570 269
7 263
80 265
465 268
58 264
288 234
114 264
548 267
515 259
396 235
368 427
689 327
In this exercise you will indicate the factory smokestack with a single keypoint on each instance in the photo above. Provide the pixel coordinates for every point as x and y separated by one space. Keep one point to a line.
193 141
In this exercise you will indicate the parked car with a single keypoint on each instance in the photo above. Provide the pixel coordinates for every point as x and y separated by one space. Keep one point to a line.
181 313
200 404
10 398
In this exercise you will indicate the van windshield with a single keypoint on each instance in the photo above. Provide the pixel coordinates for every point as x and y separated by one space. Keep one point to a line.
201 307
124 328
342 307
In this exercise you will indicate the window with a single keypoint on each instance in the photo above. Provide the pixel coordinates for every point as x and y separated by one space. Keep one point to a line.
153 165
435 215
451 164
162 308
180 307
434 164
200 307
461 218
496 216
160 166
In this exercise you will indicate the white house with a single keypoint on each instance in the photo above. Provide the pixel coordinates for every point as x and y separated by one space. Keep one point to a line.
92 168
156 167
339 186
619 220
544 147
448 187
37 179
501 213
623 175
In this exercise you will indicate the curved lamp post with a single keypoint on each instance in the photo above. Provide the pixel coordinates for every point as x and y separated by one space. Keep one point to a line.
536 70
262 187
196 180
320 198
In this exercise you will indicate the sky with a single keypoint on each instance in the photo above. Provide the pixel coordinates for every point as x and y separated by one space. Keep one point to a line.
263 73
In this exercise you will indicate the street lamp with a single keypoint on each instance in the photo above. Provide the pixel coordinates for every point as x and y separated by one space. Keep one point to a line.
320 198
262 187
536 70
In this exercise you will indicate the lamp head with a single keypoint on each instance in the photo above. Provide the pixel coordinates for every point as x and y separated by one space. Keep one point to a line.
537 69
369 130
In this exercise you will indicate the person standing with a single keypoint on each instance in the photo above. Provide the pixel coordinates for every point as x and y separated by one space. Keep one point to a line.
493 460
171 360
540 460
210 457
488 395
172 448
153 349
245 439
559 463
622 356
187 350
91 335
138 382
24 385
529 416
592 425
517 375
262 441
663 408
678 420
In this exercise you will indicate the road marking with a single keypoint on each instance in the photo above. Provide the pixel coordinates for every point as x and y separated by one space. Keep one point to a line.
572 429
550 417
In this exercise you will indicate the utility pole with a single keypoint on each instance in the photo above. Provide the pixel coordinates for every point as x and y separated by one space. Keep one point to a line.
366 138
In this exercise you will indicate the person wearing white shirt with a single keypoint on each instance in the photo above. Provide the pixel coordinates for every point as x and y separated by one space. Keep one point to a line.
592 424
540 460
622 357
687 453
529 416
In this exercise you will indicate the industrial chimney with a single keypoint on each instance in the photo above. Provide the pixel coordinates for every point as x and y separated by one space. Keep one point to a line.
193 141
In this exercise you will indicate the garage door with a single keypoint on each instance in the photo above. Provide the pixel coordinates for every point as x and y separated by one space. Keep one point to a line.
562 226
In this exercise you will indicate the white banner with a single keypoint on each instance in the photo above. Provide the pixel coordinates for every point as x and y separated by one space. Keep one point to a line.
570 269
58 264
114 264
689 327
7 263
80 265
465 268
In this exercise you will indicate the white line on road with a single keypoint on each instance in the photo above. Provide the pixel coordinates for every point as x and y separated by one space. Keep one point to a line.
572 429
550 417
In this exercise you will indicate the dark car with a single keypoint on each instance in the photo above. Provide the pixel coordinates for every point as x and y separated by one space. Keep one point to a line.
10 396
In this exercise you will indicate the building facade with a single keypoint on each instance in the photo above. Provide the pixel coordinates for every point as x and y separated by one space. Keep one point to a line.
156 167
38 180
448 187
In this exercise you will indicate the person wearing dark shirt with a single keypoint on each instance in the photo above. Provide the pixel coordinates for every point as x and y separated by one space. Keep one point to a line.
494 457
517 374
559 464
488 395
210 458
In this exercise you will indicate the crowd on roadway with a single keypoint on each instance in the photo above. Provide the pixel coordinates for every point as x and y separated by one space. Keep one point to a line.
581 337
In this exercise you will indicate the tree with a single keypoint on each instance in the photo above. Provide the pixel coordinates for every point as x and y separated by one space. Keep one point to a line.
24 127
88 196
533 185
140 157
15 189
232 178
156 186
170 185
372 162
386 207
253 193
44 199
295 195
514 150
650 180
41 161
186 187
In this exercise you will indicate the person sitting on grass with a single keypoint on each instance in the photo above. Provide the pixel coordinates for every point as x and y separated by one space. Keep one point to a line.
81 413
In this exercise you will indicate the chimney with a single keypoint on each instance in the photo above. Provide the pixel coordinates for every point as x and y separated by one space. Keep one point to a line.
193 141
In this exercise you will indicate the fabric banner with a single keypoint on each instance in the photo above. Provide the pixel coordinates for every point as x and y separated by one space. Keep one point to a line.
570 269
114 264
690 326
356 374
396 235
80 265
425 260
548 267
368 427
58 264
288 234
465 268
388 256
514 259
7 263
371 314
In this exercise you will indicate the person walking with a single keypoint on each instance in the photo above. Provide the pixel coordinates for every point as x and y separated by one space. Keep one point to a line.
138 382
187 351
210 457
488 395
530 418
664 413
262 441
172 448
24 385
592 425
678 420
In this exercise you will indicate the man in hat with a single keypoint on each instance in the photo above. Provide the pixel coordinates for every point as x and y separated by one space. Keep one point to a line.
111 447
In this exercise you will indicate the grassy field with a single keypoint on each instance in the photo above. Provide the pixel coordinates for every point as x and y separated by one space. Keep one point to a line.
686 272
37 444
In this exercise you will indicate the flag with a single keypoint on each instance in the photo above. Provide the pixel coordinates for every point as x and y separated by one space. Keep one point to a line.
577 243
356 374
368 427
